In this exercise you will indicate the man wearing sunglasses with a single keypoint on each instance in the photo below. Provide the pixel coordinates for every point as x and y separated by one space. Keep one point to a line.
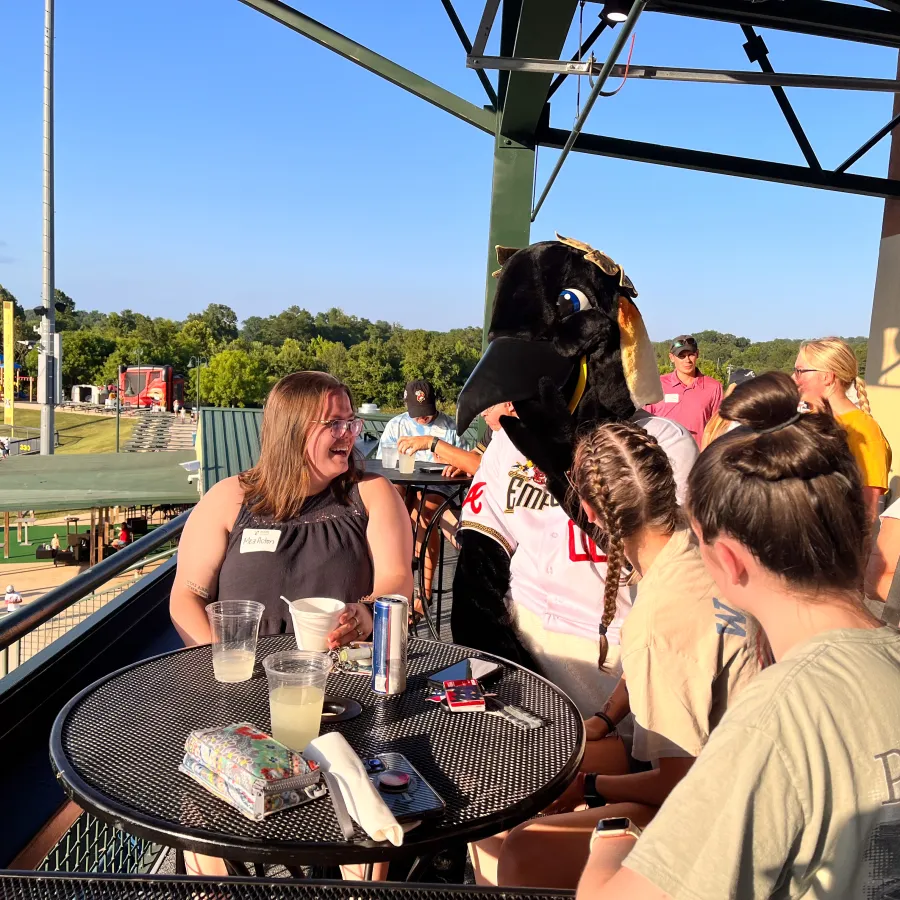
689 397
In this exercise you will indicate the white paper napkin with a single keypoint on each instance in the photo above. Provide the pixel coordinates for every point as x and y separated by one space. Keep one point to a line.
334 755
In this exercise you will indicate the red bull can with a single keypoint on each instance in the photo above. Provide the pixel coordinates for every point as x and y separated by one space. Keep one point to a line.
389 644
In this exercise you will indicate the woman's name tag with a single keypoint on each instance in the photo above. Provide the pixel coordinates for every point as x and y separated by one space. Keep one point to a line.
257 540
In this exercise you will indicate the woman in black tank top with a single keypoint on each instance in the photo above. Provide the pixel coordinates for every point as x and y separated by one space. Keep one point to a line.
303 522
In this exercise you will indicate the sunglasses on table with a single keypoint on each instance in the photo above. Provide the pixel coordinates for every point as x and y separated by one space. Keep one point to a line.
340 427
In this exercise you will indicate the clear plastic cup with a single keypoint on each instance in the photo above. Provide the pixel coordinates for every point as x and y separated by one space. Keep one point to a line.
235 628
407 463
314 619
389 456
296 693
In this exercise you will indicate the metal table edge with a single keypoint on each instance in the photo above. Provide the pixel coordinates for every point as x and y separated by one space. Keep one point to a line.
127 819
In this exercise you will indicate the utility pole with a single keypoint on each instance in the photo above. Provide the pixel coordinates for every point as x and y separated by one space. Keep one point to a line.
120 371
198 360
48 320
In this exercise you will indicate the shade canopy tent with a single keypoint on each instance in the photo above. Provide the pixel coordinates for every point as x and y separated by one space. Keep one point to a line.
80 481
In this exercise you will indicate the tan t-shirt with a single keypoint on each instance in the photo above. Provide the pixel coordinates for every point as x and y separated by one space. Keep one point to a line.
685 654
797 793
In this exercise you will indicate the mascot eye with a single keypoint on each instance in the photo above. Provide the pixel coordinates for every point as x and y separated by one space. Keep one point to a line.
571 301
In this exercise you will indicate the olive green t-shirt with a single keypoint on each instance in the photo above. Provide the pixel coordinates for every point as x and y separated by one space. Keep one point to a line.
797 792
685 654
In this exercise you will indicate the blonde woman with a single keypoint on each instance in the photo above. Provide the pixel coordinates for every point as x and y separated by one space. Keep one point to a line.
824 371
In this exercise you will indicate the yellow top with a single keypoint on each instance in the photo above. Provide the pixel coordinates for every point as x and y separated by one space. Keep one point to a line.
869 446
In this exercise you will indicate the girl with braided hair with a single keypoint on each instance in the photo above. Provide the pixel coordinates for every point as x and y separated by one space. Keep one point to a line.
684 656
797 792
825 370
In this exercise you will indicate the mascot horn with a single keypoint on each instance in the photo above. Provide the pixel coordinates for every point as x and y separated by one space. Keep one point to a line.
568 348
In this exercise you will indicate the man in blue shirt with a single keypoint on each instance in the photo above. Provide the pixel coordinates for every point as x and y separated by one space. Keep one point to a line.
420 430
422 422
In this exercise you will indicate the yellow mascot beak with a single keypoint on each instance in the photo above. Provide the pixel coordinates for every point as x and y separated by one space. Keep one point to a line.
638 358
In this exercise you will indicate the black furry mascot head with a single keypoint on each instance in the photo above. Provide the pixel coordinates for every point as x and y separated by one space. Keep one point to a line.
567 346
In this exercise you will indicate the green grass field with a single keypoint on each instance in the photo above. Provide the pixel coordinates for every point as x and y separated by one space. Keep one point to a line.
37 534
79 433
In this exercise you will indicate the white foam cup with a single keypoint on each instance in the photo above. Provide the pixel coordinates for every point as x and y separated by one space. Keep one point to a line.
314 619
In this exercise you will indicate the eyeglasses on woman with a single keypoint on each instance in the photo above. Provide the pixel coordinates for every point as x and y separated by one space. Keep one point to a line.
340 427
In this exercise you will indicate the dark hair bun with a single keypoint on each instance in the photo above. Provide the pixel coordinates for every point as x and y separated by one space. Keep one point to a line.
786 486
767 401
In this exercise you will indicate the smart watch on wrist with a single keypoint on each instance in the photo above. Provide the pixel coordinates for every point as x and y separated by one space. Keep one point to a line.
614 828
592 797
434 443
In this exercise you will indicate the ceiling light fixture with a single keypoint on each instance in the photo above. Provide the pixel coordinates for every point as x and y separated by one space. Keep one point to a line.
615 11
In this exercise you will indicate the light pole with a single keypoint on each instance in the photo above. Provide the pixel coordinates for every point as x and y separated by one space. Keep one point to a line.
121 371
198 362
48 325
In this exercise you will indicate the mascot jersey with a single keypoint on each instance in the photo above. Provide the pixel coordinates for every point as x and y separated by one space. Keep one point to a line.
556 571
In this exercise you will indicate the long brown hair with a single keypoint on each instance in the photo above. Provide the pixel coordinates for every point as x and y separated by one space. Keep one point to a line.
787 487
623 474
278 485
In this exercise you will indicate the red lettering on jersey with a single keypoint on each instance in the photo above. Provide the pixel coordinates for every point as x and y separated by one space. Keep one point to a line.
590 552
474 496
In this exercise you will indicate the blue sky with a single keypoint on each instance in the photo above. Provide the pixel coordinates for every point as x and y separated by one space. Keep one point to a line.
208 154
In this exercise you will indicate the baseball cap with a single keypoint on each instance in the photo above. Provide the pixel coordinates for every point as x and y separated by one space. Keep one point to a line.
739 376
419 398
683 342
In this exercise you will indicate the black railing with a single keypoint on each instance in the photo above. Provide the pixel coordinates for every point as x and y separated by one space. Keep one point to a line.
16 625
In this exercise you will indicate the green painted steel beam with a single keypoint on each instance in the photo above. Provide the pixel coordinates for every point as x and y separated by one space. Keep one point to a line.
512 191
541 34
379 65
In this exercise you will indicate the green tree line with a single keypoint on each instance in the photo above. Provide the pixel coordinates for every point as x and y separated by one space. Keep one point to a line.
241 363
375 359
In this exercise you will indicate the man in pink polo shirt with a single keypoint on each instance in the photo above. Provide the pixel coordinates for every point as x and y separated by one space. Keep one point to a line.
688 397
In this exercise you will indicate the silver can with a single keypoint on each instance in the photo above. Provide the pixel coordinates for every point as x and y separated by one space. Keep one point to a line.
389 644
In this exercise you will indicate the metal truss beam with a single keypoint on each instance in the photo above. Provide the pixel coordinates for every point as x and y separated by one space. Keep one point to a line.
467 46
720 164
542 30
758 52
485 26
768 79
832 19
670 73
375 63
892 5
882 132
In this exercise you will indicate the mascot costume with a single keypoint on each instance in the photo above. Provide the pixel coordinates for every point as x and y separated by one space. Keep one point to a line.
567 346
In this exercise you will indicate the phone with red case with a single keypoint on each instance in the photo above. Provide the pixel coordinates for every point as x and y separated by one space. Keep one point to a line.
464 696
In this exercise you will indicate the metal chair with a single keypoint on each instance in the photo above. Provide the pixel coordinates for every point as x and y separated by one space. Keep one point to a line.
442 520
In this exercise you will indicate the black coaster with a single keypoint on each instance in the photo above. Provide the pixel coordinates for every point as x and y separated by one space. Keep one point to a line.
339 709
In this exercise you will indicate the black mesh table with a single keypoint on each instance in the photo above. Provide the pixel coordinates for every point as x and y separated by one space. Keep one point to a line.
39 886
426 475
116 747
